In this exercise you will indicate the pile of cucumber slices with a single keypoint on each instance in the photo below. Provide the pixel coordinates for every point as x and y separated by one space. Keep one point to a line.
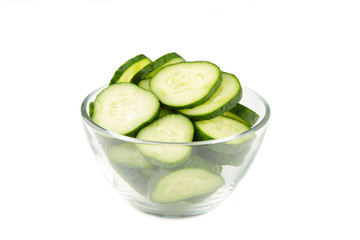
173 100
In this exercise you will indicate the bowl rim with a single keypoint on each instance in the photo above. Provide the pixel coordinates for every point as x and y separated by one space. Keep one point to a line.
86 118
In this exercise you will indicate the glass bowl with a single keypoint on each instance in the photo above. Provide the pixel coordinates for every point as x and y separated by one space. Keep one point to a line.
231 157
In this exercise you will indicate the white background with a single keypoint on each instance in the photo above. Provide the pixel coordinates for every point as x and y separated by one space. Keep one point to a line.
302 56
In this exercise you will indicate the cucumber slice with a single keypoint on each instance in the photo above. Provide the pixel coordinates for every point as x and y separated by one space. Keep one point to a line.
183 184
145 83
170 128
128 70
187 84
226 97
150 70
124 108
243 114
164 112
91 109
128 155
219 127
226 157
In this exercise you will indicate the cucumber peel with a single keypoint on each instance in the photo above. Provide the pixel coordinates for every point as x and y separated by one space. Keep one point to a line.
225 98
243 114
129 69
149 70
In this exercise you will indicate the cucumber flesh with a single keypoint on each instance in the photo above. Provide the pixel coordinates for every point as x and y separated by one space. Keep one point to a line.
145 83
226 97
222 127
219 127
149 70
128 70
187 84
170 128
185 184
124 108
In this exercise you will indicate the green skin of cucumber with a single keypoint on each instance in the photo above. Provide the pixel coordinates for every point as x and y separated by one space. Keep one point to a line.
154 66
91 109
219 111
125 66
248 116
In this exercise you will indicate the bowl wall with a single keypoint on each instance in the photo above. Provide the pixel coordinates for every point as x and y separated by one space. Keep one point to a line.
229 158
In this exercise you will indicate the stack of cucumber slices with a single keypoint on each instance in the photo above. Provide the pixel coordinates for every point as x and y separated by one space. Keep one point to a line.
172 100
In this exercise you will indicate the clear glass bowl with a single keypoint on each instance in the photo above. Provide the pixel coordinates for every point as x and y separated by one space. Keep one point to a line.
233 160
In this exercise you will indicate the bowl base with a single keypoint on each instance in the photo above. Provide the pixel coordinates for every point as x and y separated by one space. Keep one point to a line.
173 213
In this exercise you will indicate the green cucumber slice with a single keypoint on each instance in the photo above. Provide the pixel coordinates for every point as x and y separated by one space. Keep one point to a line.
165 111
243 114
125 108
149 70
170 128
91 109
222 156
219 127
226 97
128 155
186 84
128 70
145 83
183 184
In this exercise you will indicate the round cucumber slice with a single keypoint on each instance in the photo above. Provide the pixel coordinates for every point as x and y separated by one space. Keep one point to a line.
124 108
186 84
170 128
